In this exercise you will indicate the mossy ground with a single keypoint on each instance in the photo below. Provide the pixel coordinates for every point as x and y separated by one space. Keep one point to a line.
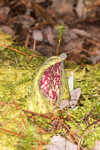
16 76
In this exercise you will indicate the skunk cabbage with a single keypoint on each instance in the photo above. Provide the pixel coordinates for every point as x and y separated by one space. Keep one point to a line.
49 86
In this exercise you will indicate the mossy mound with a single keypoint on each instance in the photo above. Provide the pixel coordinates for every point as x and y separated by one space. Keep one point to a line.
16 77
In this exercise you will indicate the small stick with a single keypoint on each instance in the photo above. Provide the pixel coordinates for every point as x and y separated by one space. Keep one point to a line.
21 115
13 133
40 115
13 49
34 45
27 40
17 51
22 118
94 42
16 105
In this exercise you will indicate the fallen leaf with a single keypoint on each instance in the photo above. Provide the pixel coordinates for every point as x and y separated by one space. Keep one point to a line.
4 13
7 30
75 94
63 6
81 32
60 143
80 8
25 20
97 145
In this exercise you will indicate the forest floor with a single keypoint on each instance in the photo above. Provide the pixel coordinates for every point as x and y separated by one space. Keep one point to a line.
31 31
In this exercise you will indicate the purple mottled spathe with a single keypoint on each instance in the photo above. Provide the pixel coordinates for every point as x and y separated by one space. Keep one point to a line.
50 82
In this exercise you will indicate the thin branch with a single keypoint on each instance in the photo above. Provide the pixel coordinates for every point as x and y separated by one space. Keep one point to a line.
11 132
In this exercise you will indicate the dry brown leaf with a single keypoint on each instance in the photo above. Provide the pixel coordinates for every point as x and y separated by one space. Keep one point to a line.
63 6
80 8
97 145
7 30
4 13
60 143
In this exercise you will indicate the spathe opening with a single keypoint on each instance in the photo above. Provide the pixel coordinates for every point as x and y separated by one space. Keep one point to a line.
50 82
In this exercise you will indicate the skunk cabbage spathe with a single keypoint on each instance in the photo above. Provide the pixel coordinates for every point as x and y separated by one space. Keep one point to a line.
49 86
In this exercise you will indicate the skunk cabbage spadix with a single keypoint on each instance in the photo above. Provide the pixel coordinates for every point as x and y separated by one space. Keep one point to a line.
49 86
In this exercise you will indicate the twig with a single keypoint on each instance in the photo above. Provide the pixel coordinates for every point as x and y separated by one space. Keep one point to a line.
18 51
13 49
72 134
27 40
2 103
94 42
16 105
13 133
21 115
75 137
22 118
19 125
40 115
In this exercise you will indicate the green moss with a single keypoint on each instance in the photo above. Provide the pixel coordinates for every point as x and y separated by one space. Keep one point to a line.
16 77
